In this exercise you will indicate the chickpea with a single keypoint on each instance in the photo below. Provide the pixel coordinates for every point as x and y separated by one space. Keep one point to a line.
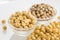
36 35
4 28
30 25
17 21
3 21
23 24
20 18
17 25
37 31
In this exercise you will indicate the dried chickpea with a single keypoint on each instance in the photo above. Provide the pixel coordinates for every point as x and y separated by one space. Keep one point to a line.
17 25
24 17
23 24
23 20
3 21
4 28
30 25
37 31
20 18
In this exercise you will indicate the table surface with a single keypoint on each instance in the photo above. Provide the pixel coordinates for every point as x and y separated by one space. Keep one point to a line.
9 7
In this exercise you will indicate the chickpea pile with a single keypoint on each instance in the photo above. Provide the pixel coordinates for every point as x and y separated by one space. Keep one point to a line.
43 32
42 11
23 20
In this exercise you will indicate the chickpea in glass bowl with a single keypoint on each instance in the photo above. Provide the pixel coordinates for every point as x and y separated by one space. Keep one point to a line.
42 11
22 20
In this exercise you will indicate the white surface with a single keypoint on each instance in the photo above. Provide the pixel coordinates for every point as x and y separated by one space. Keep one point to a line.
6 9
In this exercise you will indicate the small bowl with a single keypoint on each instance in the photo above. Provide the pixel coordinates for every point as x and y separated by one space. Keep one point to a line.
21 32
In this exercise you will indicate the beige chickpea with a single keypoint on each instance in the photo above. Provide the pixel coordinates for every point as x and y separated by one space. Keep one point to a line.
4 28
3 21
36 35
41 33
26 27
33 21
20 18
37 31
17 25
27 21
43 28
30 26
23 24
47 34
38 15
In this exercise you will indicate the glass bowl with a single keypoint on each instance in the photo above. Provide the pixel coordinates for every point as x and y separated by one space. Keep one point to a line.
22 31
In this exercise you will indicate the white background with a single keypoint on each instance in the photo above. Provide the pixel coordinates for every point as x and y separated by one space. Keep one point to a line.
9 7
